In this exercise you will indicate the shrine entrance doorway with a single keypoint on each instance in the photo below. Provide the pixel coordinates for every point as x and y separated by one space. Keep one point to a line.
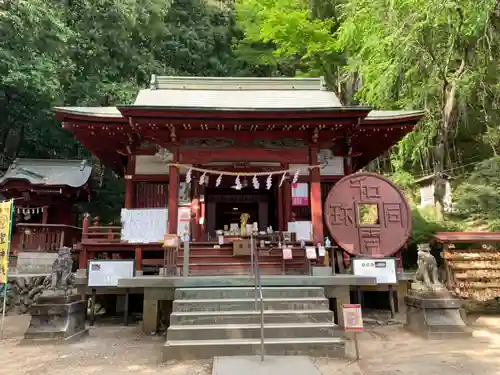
225 206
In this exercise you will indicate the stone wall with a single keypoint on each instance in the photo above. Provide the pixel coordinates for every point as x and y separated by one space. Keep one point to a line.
22 291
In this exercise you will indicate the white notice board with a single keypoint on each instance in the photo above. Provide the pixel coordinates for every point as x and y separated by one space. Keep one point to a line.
144 225
106 273
383 269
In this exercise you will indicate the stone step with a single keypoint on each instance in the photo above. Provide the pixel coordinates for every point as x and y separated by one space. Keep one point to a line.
251 317
252 331
249 292
202 349
234 304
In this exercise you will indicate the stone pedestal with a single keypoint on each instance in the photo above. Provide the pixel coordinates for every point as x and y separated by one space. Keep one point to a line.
435 316
56 318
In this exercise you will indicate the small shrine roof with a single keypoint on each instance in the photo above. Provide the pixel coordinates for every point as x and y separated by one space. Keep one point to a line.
49 172
467 237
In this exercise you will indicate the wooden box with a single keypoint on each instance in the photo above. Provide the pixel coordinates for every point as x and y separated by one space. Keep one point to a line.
241 247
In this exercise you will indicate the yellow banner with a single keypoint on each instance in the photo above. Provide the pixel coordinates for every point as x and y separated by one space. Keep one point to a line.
5 229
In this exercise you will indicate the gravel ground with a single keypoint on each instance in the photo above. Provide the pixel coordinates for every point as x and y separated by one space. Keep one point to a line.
385 349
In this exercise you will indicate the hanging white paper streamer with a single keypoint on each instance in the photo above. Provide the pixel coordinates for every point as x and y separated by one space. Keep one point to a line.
255 182
296 177
202 178
188 176
282 179
269 181
218 181
237 183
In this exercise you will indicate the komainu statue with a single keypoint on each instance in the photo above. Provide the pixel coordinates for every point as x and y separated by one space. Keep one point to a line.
61 278
426 278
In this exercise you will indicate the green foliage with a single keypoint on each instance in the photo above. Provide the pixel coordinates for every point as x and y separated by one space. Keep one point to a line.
478 198
99 53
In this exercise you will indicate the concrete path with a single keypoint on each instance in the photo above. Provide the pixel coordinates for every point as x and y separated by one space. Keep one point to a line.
272 365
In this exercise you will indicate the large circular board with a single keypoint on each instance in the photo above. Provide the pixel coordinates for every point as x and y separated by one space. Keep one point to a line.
367 215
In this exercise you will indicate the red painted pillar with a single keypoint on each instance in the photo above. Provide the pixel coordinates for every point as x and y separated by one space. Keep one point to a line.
45 215
315 197
129 192
129 184
173 197
138 259
82 256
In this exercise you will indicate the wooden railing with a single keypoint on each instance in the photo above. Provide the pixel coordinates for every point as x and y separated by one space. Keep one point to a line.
94 232
47 237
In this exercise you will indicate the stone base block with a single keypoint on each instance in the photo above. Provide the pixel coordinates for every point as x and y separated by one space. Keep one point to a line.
56 318
435 317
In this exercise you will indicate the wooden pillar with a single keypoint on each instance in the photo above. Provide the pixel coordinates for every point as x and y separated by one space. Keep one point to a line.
315 196
138 259
173 196
287 200
82 256
280 208
45 215
195 209
129 184
129 192
347 155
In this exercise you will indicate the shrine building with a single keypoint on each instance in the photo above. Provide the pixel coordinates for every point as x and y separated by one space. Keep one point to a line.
211 149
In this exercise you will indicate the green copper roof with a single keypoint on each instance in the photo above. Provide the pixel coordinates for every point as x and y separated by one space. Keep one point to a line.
49 172
237 93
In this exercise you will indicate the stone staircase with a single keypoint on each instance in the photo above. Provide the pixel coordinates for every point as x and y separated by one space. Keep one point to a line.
209 322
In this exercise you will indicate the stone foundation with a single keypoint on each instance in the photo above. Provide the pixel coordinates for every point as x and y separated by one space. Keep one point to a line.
435 317
56 318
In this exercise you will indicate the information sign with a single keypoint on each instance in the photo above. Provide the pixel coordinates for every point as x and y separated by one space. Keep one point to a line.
383 269
353 318
106 273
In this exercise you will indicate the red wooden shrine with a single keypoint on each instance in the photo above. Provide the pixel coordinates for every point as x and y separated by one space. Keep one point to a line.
244 125
44 193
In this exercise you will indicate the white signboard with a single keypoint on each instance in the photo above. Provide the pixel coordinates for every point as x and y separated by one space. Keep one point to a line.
147 225
106 273
384 270
353 318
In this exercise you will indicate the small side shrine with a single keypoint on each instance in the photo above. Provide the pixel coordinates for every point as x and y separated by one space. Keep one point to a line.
44 193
